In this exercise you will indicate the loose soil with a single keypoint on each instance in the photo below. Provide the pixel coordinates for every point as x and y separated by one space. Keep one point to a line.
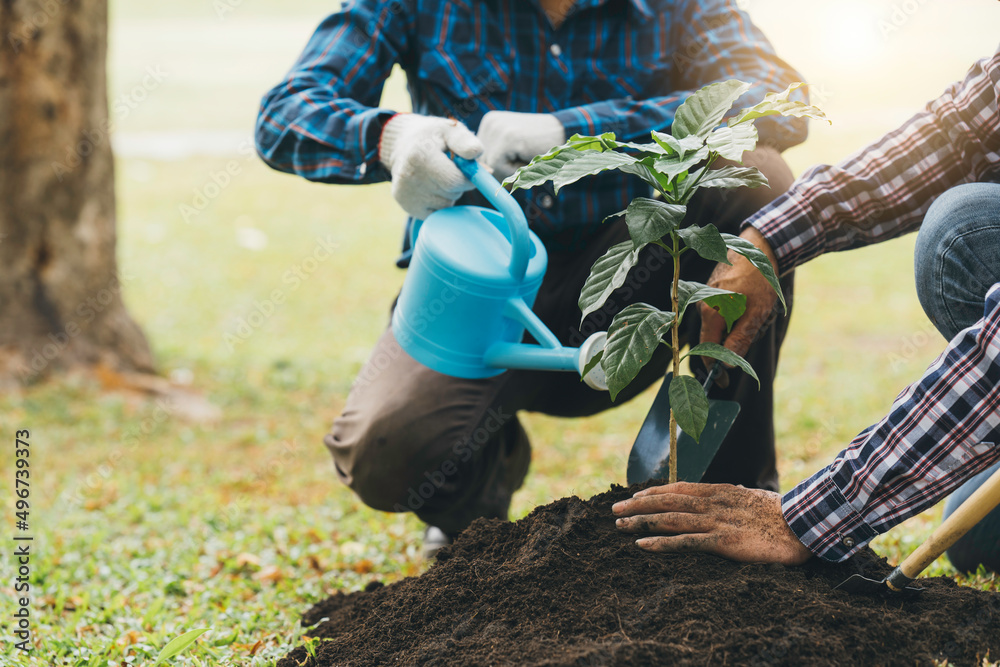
563 587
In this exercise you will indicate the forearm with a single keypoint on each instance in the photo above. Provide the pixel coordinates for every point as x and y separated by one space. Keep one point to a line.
628 119
884 190
941 430
323 121
711 41
873 196
320 137
632 120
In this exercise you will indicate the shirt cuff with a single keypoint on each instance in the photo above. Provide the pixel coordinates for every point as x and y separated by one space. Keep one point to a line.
370 169
824 521
579 120
786 225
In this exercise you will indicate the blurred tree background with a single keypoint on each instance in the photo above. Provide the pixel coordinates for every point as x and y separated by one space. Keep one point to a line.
60 296
261 293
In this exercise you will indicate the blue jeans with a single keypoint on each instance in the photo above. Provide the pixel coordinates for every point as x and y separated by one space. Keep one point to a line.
957 261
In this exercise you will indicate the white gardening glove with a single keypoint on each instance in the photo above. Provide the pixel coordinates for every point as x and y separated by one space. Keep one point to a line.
512 139
424 179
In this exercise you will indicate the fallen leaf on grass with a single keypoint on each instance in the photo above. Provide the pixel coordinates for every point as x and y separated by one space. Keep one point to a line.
247 560
129 638
270 573
110 496
363 566
179 401
250 648
315 563
109 377
352 548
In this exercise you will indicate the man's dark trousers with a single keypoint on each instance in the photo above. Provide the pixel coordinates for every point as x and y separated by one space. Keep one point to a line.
452 450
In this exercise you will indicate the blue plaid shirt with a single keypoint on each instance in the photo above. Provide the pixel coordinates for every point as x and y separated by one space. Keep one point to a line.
621 66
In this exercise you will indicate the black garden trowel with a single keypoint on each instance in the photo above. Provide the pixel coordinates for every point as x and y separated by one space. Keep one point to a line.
650 455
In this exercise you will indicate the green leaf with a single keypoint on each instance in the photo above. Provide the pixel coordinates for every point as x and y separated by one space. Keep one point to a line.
673 145
607 275
542 168
643 168
567 166
650 220
582 142
706 241
733 177
178 644
724 354
705 109
592 364
731 305
613 215
775 104
758 259
589 163
674 167
687 185
632 338
155 608
689 404
731 142
646 149
608 141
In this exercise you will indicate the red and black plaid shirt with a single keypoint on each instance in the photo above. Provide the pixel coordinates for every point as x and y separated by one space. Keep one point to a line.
945 427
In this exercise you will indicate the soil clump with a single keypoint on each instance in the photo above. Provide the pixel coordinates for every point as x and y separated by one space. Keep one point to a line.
563 587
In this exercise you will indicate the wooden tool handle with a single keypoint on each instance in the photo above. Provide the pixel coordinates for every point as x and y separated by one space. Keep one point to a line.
968 514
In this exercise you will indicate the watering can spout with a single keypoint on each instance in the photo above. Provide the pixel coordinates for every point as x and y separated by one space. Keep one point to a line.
466 301
534 357
550 354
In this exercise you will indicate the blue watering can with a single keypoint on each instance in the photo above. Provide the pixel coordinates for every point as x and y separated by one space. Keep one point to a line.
467 297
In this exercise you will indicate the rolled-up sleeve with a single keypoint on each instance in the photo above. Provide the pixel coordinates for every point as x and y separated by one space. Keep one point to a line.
712 40
884 190
941 430
323 121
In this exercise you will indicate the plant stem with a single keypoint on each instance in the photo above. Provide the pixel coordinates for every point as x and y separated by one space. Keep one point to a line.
675 337
694 186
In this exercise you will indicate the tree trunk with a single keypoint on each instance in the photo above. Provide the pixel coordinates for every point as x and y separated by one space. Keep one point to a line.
60 292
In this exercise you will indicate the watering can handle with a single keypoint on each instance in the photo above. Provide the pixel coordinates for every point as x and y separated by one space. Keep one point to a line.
505 204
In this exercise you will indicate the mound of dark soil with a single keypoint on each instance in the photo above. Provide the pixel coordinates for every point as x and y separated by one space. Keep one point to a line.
562 587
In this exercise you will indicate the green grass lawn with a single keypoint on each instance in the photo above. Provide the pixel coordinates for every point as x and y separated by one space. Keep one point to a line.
148 524
239 524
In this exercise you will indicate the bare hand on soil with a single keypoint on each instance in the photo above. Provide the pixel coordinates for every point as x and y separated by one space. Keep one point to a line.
730 521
